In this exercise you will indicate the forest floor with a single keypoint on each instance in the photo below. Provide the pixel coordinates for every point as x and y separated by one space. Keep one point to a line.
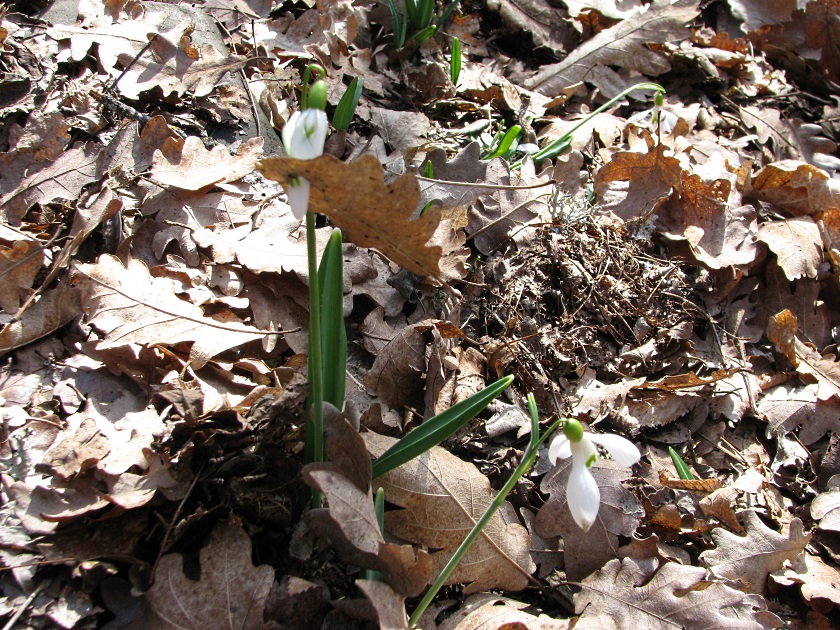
671 276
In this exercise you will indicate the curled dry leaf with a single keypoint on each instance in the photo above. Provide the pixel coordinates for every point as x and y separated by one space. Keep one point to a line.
19 264
442 497
395 374
132 307
372 213
797 244
819 582
231 593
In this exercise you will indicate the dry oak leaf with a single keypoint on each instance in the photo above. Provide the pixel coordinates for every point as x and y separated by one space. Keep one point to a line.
372 213
797 244
795 186
54 309
825 508
190 166
62 179
395 374
751 558
624 45
787 406
719 234
781 330
19 264
132 307
623 595
632 185
819 582
230 594
178 72
484 611
442 498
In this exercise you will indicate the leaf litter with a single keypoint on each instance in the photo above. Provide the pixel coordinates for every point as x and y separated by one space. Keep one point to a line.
675 284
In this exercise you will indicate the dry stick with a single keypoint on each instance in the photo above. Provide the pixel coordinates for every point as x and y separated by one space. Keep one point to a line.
11 623
175 516
446 182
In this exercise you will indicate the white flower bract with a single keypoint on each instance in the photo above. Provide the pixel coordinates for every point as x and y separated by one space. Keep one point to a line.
303 138
582 492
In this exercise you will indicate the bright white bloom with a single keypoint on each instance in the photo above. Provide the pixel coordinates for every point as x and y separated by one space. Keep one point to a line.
303 138
582 492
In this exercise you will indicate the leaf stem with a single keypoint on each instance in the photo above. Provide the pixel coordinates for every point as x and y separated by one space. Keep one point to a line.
527 461
316 370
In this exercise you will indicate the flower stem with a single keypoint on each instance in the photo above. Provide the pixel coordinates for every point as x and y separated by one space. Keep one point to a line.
527 461
316 368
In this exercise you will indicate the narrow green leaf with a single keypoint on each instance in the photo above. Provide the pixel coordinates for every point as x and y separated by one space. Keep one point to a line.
455 61
506 143
399 24
347 105
333 332
422 35
379 509
425 11
435 430
683 470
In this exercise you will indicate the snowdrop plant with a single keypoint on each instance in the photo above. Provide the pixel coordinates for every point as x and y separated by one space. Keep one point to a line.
582 492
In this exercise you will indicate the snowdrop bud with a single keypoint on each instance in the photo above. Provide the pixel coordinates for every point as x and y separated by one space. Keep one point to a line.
317 95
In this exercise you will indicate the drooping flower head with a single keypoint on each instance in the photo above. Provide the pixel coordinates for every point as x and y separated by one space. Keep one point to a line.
582 492
303 138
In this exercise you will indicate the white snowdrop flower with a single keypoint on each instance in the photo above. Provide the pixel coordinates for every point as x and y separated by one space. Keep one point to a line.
582 492
303 138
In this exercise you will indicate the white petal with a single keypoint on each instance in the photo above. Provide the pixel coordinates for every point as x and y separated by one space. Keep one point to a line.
308 135
298 194
623 451
583 495
288 130
559 448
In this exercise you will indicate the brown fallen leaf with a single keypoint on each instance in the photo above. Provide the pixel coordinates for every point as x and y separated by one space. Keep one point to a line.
483 611
719 504
633 185
619 515
394 375
797 244
62 179
787 406
132 307
372 213
753 557
624 595
19 264
695 485
442 497
818 582
190 166
230 594
795 186
625 45
53 309
388 604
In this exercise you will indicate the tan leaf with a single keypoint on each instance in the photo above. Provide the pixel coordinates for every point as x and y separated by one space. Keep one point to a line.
178 73
695 485
719 504
825 508
442 497
619 515
231 593
781 330
62 179
539 20
797 187
625 45
373 214
753 557
796 243
719 234
19 264
132 307
624 595
483 611
633 185
395 374
388 604
787 406
194 167
819 582
53 309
